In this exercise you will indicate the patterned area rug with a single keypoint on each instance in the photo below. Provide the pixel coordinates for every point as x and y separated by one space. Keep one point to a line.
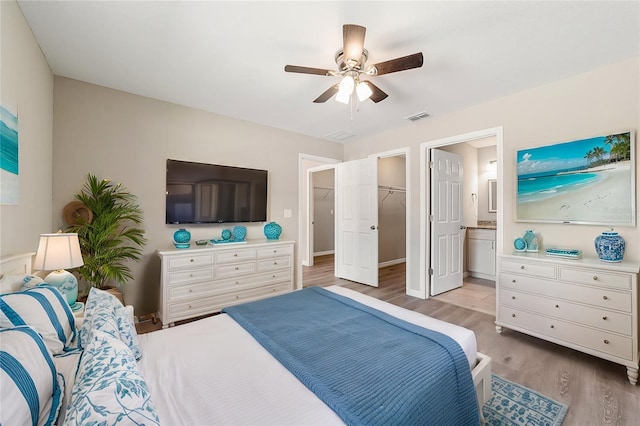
513 404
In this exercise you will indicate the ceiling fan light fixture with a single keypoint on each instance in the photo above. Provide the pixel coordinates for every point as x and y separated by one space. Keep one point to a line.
347 84
343 97
363 91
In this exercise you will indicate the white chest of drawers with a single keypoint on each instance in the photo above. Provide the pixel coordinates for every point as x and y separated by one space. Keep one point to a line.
202 281
585 304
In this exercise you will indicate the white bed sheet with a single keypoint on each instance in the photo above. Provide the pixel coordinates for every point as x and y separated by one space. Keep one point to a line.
212 371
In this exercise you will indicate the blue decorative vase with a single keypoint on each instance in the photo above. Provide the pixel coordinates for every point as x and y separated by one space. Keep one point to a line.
532 241
609 246
181 236
66 283
239 232
272 231
226 234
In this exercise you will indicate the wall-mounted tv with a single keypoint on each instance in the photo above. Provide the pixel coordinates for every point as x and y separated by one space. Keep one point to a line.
211 193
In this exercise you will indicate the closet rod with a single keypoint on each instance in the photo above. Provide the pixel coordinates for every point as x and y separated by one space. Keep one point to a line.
391 188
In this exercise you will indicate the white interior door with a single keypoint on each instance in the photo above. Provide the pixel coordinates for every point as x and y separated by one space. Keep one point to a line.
356 249
446 221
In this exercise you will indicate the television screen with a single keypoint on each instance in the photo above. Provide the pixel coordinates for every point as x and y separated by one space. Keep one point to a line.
210 193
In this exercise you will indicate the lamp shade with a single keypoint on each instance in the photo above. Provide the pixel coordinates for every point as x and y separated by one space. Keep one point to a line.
58 251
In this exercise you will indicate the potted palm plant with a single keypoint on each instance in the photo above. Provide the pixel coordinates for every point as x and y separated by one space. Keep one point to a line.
111 236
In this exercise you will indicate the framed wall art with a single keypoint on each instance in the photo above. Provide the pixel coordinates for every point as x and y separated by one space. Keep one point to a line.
587 181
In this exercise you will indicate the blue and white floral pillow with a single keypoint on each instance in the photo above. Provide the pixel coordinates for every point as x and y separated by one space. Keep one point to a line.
104 312
31 390
45 309
109 388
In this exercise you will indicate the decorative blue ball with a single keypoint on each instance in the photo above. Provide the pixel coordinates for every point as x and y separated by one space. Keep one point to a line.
239 232
181 236
272 231
610 246
226 234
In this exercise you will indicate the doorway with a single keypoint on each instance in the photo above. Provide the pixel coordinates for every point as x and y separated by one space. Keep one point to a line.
391 195
461 144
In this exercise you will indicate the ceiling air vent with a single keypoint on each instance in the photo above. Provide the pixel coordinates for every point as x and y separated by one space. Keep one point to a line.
339 136
418 116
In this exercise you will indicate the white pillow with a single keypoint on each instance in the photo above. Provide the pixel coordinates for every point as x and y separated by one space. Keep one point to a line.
31 391
105 312
45 309
109 388
10 283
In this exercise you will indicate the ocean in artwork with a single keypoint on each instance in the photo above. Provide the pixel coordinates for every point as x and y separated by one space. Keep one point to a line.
537 188
9 160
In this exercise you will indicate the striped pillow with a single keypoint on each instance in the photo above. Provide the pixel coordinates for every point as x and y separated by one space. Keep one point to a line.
31 390
45 309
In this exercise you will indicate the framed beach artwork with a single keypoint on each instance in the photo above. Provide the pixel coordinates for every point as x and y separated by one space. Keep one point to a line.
9 185
588 181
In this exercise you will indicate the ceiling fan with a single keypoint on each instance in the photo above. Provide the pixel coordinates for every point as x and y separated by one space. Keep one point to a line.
351 61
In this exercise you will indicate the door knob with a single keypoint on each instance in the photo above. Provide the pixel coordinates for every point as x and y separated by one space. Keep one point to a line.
373 227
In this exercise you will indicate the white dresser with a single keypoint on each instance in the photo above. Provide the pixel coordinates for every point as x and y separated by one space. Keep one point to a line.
200 281
585 304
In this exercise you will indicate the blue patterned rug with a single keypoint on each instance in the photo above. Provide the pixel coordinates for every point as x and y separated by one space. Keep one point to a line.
513 404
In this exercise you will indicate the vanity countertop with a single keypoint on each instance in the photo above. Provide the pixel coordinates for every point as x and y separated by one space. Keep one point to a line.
484 224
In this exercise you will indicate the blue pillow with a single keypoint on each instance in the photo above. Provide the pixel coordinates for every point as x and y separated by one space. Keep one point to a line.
105 312
31 391
45 309
109 388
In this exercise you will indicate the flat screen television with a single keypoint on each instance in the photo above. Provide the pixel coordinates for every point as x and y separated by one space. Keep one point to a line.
211 193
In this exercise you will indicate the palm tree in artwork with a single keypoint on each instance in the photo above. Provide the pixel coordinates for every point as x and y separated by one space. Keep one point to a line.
599 153
619 146
589 157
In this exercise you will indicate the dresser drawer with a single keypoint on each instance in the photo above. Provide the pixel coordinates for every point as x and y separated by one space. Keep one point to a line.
600 297
586 315
558 330
190 261
212 288
275 251
235 269
274 264
185 277
235 255
595 277
533 269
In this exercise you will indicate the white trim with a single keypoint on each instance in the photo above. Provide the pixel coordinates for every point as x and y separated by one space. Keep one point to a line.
406 151
392 262
425 194
323 253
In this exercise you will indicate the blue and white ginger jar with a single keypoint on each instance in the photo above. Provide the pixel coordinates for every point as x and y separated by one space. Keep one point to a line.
610 246
239 232
272 231
181 236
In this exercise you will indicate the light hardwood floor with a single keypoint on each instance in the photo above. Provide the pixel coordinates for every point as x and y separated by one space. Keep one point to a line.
596 391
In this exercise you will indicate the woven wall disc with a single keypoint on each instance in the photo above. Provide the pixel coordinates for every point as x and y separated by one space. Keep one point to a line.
76 213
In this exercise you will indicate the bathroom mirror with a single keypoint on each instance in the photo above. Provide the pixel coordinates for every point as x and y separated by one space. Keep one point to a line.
493 195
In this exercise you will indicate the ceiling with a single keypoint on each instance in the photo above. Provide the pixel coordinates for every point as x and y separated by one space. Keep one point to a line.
228 57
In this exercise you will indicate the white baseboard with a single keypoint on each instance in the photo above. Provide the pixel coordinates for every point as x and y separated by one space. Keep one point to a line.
323 253
392 262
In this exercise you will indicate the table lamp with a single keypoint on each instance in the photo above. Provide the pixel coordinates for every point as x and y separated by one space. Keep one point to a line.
57 252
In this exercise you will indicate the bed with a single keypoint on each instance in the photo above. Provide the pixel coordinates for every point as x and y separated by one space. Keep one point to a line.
214 370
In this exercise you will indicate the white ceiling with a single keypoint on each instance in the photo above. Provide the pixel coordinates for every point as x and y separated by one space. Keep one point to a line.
228 57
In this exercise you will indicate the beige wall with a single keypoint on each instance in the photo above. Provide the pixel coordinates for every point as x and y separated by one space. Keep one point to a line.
485 155
127 138
599 102
27 85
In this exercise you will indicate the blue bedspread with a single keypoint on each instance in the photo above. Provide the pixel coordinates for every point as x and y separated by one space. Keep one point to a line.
369 367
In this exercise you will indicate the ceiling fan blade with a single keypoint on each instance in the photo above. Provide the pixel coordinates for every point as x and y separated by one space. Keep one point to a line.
353 43
307 70
377 95
327 94
399 64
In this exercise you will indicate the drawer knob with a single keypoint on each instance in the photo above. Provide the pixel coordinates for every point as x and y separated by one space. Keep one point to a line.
273 276
237 268
595 278
553 326
191 275
237 297
237 282
557 306
235 254
513 315
273 289
605 318
275 263
190 260
275 251
513 297
606 342
521 266
513 281
605 297
190 290
189 306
